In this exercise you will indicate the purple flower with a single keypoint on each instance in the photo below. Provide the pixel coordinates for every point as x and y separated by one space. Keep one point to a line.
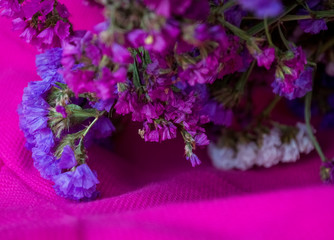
234 15
262 8
82 68
327 172
34 116
217 114
201 139
204 33
157 40
76 185
203 72
67 159
194 160
312 26
48 64
44 31
301 85
266 57
102 128
33 112
168 131
9 8
292 79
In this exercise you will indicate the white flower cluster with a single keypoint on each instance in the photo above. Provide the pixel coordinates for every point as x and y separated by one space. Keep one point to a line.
271 152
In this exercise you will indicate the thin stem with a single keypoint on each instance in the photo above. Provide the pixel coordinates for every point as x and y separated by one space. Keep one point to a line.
266 112
286 44
260 26
241 83
313 64
267 32
307 111
327 45
89 127
237 31
228 5
295 17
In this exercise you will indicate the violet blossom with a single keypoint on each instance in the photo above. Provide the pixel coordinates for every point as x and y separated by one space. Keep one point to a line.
262 8
78 184
293 79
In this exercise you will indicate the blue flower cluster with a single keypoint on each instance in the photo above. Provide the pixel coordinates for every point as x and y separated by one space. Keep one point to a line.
71 180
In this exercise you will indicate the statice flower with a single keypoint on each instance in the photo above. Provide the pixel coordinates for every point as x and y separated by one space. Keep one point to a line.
9 8
292 78
234 15
34 111
246 155
313 26
34 114
77 184
290 151
86 67
262 8
222 158
327 171
42 23
265 58
303 140
194 160
269 153
67 159
48 65
300 87
217 113
155 40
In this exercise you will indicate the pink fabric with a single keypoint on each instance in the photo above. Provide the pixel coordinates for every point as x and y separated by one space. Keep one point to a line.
149 191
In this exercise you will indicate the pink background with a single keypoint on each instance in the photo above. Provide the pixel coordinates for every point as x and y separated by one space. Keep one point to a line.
149 190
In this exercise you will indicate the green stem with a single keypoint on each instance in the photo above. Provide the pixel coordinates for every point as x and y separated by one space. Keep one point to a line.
313 64
260 26
266 112
295 17
286 44
228 5
237 31
327 45
89 127
267 32
307 112
242 82
323 14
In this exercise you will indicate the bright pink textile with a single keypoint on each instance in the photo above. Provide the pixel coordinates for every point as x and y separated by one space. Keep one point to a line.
149 190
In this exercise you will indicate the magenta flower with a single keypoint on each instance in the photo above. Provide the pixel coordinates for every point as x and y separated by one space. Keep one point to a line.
292 78
265 58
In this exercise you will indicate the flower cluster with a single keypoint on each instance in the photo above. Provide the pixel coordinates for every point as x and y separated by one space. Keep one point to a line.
45 114
186 68
268 150
42 23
